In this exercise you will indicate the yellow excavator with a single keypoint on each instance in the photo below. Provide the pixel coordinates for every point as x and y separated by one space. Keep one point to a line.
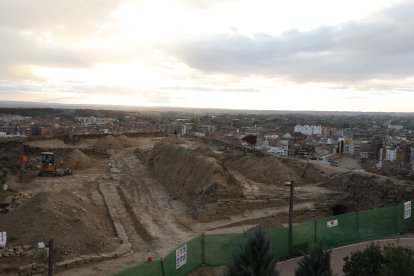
64 167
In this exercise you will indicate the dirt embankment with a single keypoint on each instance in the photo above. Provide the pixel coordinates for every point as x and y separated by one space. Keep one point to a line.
84 160
263 169
113 142
76 226
364 190
371 191
194 178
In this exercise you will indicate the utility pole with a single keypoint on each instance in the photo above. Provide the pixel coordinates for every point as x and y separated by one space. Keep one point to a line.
290 184
50 271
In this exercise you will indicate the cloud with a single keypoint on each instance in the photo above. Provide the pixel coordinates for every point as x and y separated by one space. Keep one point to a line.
45 33
19 50
66 17
379 47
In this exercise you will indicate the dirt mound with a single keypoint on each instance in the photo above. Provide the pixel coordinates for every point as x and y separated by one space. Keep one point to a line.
48 144
370 191
173 140
125 141
114 142
266 169
10 153
206 151
192 177
76 226
108 142
84 160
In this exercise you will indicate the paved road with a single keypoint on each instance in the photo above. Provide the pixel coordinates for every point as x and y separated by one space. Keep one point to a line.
287 268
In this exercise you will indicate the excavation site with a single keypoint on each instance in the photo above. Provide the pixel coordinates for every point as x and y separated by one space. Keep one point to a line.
110 202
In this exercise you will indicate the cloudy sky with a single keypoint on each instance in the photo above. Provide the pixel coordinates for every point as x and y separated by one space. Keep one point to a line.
243 54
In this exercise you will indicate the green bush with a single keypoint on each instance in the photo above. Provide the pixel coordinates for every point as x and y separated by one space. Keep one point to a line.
373 261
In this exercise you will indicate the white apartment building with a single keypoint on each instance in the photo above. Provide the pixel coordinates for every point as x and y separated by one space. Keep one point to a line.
395 127
308 130
87 121
390 154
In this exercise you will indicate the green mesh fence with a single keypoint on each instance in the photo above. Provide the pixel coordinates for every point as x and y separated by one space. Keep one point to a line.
219 249
194 258
338 230
378 223
303 236
145 269
279 240
332 231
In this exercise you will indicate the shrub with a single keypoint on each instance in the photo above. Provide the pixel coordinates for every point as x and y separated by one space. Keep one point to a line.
254 258
317 263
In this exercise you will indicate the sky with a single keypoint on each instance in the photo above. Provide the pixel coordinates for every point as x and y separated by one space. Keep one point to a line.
326 55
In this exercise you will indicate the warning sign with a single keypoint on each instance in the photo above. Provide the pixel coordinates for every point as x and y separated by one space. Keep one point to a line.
180 256
407 209
332 223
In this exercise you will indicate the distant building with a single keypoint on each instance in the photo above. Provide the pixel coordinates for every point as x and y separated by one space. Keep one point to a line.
332 132
412 158
308 130
88 121
395 127
9 118
282 151
390 154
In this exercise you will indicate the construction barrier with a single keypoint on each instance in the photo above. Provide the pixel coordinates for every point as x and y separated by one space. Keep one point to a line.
332 231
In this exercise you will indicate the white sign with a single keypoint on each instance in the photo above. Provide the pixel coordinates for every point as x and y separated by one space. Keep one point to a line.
180 256
332 223
3 238
407 209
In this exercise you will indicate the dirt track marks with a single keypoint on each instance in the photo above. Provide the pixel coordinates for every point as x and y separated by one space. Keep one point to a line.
158 220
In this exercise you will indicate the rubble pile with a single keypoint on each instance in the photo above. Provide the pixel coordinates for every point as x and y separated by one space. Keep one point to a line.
13 201
14 251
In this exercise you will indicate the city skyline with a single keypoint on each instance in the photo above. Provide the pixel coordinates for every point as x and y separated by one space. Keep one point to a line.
258 55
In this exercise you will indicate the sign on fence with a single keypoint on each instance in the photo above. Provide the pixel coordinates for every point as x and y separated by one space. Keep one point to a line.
407 209
332 223
180 256
3 238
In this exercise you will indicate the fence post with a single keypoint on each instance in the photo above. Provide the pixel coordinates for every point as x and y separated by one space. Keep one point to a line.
162 267
357 223
203 248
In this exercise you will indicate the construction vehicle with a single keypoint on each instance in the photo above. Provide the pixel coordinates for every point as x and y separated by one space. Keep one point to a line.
49 168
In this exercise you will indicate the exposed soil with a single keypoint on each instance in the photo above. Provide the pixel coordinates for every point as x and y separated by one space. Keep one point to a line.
76 226
84 160
166 191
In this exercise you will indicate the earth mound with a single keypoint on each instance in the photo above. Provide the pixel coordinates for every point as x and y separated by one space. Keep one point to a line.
114 142
125 141
84 160
267 169
108 142
76 226
191 176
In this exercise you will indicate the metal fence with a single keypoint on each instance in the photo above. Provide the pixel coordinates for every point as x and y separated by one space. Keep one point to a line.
331 231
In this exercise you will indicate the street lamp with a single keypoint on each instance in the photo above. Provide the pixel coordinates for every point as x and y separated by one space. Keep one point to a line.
290 184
